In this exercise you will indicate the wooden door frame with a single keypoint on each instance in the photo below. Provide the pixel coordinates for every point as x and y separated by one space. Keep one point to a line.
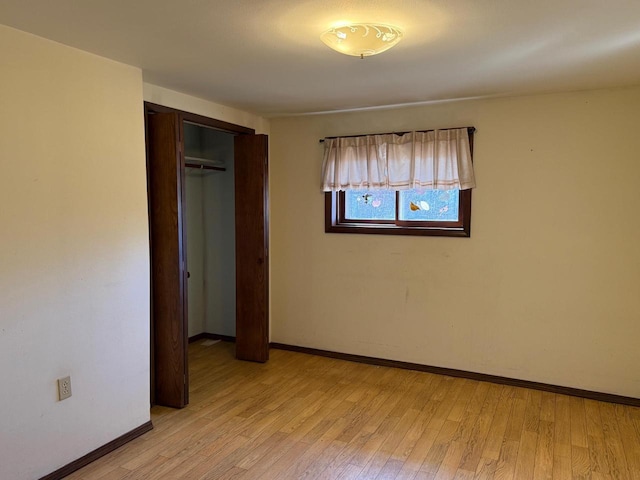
150 109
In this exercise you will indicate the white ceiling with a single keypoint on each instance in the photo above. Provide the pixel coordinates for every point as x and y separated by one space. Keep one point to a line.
265 56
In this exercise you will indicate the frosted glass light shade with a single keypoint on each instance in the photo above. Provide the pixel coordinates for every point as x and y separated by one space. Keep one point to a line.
362 39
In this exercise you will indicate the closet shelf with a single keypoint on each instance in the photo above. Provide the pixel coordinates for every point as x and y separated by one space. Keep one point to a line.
204 163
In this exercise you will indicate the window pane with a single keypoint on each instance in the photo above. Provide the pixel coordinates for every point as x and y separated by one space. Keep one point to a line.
429 205
370 204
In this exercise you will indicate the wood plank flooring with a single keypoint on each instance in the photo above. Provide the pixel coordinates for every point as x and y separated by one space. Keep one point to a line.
306 417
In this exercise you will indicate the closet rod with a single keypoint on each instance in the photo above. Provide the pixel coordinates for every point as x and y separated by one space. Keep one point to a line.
469 129
205 167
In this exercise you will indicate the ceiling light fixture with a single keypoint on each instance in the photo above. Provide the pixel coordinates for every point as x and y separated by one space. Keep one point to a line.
362 39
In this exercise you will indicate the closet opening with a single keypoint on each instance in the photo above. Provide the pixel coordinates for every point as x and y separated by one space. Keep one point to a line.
208 229
210 224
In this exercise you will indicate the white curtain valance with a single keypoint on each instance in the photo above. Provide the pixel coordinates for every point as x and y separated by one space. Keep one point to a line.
433 160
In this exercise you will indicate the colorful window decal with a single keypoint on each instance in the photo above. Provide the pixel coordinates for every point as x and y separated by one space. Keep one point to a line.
429 205
370 204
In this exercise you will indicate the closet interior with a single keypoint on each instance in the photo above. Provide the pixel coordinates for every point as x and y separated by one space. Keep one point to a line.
210 228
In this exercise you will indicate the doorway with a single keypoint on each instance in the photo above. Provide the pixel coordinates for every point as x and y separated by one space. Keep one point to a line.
179 142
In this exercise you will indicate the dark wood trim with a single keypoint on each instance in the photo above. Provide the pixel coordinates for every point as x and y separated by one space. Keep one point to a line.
482 377
332 223
336 221
99 452
152 379
199 119
212 336
199 336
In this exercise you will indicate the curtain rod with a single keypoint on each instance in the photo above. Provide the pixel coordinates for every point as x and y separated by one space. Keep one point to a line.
469 129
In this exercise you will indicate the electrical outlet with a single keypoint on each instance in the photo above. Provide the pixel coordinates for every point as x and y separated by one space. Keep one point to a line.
64 388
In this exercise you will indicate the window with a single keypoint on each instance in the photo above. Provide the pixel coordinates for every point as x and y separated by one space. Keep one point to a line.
401 212
436 163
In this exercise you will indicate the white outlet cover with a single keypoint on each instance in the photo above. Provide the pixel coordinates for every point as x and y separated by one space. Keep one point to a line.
64 388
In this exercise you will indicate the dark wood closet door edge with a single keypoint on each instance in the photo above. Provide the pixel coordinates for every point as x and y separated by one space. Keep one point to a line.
252 263
482 377
168 259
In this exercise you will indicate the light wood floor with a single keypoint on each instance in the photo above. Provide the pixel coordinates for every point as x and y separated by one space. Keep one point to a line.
301 416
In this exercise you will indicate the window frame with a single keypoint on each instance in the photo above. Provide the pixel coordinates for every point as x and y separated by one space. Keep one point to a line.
335 221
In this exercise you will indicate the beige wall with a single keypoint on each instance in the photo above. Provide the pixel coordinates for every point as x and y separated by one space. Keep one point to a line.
74 261
546 289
